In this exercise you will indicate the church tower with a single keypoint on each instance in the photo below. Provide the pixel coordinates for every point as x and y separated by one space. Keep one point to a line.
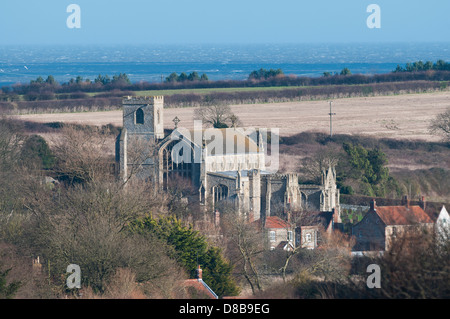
142 121
144 115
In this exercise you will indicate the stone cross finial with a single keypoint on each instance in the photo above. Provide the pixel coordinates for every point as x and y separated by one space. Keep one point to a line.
176 120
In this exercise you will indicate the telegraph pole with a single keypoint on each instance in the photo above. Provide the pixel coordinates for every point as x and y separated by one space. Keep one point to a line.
331 120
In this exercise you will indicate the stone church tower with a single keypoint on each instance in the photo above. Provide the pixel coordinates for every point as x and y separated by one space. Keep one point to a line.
142 124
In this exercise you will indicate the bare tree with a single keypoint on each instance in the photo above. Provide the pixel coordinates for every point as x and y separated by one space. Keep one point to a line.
245 247
11 141
182 198
82 155
416 266
141 152
217 115
440 125
312 167
332 261
87 226
299 218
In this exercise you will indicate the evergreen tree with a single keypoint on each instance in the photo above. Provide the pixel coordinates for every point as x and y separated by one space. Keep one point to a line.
193 76
369 167
191 249
204 77
173 77
36 151
7 291
346 71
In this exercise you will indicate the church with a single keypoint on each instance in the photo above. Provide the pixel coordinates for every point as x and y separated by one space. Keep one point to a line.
226 165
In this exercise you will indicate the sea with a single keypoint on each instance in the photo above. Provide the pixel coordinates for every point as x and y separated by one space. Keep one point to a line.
153 63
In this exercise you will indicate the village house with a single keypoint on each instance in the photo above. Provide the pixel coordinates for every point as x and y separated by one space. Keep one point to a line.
310 230
198 289
278 233
381 224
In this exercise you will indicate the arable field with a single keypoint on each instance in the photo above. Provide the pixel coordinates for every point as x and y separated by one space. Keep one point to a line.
404 116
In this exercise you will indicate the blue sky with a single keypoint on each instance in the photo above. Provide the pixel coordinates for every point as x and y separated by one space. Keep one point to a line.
228 21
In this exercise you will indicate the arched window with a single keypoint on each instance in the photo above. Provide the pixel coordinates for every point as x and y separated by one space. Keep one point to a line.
172 168
139 116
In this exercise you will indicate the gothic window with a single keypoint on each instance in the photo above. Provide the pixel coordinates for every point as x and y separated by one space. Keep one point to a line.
158 117
172 167
139 116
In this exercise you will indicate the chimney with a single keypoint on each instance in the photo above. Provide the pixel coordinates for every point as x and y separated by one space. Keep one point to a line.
198 273
373 204
405 201
423 203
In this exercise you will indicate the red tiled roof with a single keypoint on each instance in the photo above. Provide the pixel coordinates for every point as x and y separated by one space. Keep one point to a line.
402 215
275 222
200 286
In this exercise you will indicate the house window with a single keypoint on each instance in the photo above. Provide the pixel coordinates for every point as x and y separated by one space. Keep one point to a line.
308 238
289 235
139 116
394 231
272 235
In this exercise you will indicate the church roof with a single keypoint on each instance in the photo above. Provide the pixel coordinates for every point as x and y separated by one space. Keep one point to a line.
223 141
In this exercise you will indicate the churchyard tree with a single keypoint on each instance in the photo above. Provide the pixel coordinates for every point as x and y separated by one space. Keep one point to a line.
216 115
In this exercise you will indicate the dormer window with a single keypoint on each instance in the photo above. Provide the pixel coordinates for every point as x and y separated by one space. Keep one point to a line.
139 116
